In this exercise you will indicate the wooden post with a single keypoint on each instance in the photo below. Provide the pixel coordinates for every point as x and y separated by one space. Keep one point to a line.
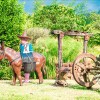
2 45
60 50
86 38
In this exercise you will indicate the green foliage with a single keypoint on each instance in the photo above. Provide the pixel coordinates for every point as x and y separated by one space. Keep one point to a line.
38 4
59 17
71 48
53 17
5 70
95 40
37 32
28 21
81 8
93 20
11 22
5 73
71 17
49 48
99 12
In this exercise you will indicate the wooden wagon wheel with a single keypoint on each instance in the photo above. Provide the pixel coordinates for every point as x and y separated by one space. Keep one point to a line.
84 70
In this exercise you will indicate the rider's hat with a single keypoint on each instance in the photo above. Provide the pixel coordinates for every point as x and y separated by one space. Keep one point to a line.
24 36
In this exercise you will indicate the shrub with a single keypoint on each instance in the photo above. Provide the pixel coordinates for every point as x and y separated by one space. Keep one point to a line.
5 70
11 22
37 32
95 40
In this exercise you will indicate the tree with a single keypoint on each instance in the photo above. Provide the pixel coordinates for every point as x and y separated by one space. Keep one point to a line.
59 17
38 4
99 12
11 22
49 17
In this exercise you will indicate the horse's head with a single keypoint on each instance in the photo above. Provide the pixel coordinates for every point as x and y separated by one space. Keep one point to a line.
1 50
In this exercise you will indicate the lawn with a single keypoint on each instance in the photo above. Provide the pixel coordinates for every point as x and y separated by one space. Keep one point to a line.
47 91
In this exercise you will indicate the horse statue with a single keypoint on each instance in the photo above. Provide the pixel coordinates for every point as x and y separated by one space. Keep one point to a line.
16 63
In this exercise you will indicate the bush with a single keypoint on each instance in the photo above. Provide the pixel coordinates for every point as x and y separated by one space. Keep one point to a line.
95 40
11 22
36 33
5 70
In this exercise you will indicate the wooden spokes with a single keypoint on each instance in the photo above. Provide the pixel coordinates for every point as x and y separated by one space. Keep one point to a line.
84 70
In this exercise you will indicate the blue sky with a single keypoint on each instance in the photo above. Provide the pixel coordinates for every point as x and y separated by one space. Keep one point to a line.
92 5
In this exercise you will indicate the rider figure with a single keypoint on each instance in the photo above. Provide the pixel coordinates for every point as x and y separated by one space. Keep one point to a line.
26 52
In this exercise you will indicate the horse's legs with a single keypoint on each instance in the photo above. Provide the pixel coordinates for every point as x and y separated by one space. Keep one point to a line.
20 79
14 78
18 73
40 76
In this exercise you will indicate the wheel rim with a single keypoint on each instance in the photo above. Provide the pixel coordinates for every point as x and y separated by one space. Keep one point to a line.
84 70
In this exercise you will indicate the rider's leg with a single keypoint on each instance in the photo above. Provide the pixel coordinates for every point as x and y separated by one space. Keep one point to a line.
27 75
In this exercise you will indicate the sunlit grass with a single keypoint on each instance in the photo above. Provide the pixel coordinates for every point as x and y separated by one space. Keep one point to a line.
46 91
95 50
88 98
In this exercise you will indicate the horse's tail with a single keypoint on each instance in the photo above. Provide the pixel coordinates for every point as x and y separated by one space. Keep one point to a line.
44 67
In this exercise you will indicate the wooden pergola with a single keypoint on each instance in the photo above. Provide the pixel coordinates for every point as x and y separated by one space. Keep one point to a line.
60 34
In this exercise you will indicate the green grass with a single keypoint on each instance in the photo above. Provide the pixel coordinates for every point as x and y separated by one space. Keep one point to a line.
47 91
88 98
94 50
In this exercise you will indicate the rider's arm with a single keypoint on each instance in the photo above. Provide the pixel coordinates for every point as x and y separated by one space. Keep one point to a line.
31 48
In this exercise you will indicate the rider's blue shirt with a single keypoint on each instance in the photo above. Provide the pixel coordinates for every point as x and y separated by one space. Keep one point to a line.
26 50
